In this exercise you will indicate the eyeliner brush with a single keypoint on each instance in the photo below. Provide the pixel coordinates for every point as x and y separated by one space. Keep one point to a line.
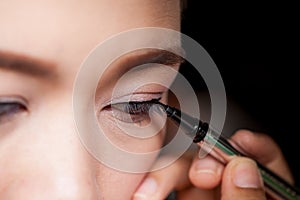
222 150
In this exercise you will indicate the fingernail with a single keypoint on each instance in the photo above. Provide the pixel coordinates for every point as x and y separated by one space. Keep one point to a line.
208 166
147 189
246 175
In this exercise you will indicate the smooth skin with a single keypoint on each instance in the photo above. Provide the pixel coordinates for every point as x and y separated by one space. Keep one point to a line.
41 156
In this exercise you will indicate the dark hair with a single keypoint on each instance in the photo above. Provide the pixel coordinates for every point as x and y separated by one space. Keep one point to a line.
183 4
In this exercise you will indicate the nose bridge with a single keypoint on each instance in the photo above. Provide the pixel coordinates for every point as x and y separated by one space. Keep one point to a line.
66 169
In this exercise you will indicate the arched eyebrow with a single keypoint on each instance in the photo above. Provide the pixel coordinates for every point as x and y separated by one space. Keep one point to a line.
37 68
145 56
27 65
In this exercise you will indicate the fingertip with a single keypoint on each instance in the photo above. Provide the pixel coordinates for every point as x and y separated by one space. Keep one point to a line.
206 173
246 174
242 180
243 135
257 145
247 137
146 189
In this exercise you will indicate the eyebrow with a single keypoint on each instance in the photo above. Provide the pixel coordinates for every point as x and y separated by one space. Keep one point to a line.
139 57
134 59
166 57
24 64
145 56
38 68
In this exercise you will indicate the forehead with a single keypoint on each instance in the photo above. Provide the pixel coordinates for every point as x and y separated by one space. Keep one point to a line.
66 30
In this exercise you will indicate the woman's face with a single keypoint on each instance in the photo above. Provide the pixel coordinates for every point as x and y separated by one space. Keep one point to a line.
42 44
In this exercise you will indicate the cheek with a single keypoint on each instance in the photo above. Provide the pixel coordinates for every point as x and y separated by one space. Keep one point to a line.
111 184
132 138
29 170
118 185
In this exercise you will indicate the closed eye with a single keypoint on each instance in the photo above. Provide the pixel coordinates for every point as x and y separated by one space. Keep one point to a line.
132 111
9 109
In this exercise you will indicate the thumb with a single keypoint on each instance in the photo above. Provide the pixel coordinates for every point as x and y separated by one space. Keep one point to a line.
242 180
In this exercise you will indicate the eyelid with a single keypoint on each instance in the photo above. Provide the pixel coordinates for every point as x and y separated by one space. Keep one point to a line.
12 99
132 111
11 107
137 97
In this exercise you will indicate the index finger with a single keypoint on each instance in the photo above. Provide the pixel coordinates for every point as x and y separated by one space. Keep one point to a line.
264 149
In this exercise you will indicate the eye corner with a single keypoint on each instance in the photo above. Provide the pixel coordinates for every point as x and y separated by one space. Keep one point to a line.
10 106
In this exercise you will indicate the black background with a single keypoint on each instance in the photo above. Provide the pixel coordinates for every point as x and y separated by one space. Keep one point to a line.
254 47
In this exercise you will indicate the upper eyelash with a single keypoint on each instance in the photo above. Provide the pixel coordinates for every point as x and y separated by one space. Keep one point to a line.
141 99
14 99
136 107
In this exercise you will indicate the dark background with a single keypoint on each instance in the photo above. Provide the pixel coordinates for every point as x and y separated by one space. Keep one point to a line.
254 47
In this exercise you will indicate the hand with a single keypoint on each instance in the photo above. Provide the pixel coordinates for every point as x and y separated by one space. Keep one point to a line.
159 184
206 174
